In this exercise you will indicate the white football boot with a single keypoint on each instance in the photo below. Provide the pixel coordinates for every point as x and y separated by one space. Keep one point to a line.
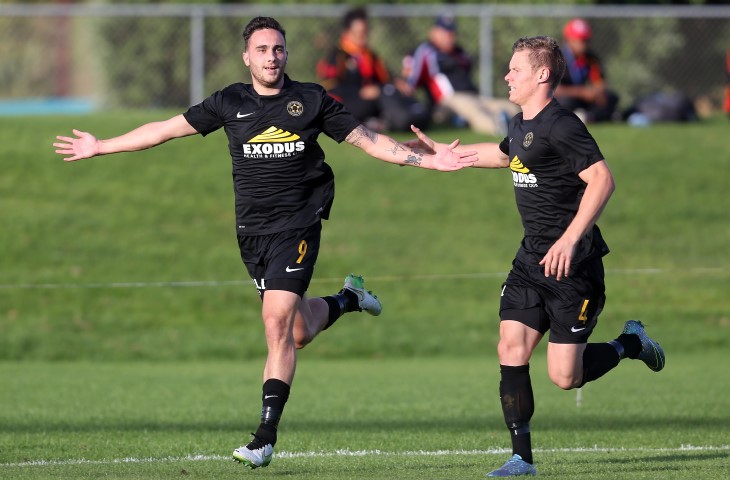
366 300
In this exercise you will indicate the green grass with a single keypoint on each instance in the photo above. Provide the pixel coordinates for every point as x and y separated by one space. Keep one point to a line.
435 247
107 352
394 416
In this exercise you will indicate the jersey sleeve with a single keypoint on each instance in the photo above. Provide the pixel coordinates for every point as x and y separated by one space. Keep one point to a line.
337 121
206 117
572 141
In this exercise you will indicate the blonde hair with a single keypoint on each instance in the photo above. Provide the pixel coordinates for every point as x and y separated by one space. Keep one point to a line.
543 51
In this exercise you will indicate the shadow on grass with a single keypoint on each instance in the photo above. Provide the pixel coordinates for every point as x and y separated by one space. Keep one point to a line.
615 464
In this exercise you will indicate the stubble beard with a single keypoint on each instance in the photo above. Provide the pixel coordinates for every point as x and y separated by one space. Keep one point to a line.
263 79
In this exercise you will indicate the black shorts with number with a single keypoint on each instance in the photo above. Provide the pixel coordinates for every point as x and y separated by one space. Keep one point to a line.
569 308
283 260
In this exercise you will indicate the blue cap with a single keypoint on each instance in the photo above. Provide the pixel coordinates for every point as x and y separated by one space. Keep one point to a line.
447 22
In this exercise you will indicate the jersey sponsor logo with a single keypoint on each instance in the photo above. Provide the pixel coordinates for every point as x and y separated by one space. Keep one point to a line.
274 134
521 175
244 115
295 108
273 143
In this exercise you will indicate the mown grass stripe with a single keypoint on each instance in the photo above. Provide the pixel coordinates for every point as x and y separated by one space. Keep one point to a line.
402 278
365 453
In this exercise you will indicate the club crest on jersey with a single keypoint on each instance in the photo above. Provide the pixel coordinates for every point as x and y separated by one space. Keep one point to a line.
295 108
521 175
273 143
528 139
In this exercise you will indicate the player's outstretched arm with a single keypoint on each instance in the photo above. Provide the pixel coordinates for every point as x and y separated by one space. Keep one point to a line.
488 154
442 157
86 145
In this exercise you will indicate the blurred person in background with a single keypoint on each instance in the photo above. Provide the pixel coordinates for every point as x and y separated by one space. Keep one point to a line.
444 69
583 87
355 75
283 190
727 83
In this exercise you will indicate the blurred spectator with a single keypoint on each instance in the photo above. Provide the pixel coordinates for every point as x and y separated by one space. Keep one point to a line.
444 69
357 77
583 87
727 82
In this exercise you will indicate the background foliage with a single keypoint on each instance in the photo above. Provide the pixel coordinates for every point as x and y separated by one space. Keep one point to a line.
133 62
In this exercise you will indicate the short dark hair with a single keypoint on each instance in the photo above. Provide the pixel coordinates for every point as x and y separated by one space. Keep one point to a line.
543 51
261 23
352 15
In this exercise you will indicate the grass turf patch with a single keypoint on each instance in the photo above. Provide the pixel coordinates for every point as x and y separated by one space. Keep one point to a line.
408 418
133 256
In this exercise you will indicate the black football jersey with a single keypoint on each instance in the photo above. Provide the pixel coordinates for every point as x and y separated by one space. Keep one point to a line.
280 178
546 155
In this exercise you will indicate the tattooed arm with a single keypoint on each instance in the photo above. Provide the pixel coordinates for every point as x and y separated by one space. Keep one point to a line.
389 150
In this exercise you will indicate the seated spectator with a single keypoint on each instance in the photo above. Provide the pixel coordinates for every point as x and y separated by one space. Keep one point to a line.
583 87
444 69
357 77
726 107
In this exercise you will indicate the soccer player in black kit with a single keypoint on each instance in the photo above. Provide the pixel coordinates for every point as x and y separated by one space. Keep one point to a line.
562 184
283 188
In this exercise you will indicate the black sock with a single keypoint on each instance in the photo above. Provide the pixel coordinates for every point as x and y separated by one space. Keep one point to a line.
274 395
336 309
631 344
339 304
598 358
518 405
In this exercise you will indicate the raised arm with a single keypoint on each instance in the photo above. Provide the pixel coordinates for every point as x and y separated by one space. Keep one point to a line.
488 154
442 157
85 145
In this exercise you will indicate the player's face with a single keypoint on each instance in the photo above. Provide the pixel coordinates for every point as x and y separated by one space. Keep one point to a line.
522 81
266 56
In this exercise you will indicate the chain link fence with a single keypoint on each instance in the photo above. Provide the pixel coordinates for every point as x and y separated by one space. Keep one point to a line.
170 56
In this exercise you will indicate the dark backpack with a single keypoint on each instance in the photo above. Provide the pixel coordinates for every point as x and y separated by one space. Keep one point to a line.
666 107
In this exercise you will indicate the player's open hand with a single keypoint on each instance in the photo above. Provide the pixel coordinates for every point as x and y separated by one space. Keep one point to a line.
557 260
445 159
85 145
421 144
448 160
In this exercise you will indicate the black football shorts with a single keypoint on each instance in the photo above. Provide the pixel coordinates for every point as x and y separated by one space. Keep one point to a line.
283 260
569 308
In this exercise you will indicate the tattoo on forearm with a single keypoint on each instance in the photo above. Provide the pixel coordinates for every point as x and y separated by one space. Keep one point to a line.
414 159
361 133
397 147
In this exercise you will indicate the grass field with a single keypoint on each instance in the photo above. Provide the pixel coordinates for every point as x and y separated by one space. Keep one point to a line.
357 419
131 343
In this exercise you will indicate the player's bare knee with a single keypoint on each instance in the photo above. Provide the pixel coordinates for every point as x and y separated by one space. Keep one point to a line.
302 340
565 382
277 334
304 333
511 353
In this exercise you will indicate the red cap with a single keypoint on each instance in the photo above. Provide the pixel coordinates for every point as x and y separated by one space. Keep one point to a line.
577 29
